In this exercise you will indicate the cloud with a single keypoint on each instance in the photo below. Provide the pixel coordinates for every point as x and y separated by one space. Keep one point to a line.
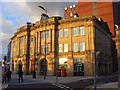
4 42
30 10
7 26
16 14
7 30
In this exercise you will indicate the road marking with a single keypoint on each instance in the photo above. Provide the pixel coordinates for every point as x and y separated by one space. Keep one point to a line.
62 86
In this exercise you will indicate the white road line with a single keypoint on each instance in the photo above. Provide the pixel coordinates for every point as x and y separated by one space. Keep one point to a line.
62 86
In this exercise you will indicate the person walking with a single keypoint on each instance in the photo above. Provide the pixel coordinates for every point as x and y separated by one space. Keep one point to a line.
20 74
9 76
4 76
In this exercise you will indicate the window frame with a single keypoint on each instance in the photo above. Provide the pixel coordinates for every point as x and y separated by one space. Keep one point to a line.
65 49
82 30
83 46
75 48
59 33
42 35
74 32
60 49
65 30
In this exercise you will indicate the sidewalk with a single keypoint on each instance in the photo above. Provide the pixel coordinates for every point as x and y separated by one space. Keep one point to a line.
105 86
49 79
109 85
28 79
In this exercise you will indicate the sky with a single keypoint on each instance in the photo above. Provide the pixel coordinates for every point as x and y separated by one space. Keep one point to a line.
16 14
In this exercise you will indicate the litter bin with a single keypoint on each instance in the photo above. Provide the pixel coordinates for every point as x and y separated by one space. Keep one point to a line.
63 72
59 72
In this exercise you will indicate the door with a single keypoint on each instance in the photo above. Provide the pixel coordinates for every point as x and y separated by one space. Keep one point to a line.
42 67
20 66
32 66
78 69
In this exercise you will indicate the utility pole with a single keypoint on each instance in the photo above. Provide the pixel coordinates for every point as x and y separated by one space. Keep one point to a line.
34 73
44 16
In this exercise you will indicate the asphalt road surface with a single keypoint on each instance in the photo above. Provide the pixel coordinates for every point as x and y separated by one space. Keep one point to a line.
45 86
79 85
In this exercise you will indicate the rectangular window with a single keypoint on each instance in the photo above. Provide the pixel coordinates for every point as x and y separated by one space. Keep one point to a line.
60 33
81 60
75 47
42 35
48 34
74 31
65 32
21 52
65 47
60 48
82 46
21 39
82 31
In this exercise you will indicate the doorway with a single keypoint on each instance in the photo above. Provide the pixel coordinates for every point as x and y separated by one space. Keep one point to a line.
78 69
42 67
20 65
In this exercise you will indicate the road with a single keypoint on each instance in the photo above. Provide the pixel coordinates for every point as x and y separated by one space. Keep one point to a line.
78 85
44 86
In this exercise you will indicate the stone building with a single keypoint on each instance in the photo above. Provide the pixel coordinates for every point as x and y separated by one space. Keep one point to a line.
70 43
108 11
117 39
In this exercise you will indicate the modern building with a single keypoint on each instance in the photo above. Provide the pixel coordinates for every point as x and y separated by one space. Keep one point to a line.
117 39
70 43
108 11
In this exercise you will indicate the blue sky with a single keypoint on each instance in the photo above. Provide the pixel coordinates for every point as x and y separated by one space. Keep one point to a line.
16 14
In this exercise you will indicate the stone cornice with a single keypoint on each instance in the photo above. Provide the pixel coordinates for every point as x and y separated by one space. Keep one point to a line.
76 19
40 25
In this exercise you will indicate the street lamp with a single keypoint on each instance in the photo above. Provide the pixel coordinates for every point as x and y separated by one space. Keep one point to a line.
96 53
34 73
44 16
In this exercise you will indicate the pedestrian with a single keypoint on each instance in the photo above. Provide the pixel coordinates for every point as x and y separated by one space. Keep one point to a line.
4 76
9 76
20 74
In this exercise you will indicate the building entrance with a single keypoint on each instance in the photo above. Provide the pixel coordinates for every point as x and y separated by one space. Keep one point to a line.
20 65
42 68
78 69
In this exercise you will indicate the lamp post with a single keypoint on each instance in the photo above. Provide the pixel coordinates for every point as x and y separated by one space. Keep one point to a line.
96 53
44 16
34 73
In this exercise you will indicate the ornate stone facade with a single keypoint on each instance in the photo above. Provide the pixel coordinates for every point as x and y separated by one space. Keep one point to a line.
70 43
117 39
